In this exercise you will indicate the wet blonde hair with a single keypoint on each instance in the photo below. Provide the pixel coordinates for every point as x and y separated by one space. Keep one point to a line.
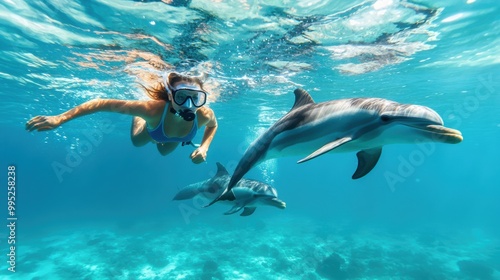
157 90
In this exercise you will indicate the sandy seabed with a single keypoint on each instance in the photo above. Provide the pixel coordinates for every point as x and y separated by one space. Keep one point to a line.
284 249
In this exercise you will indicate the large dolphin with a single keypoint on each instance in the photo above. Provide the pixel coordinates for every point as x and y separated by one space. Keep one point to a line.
246 194
357 124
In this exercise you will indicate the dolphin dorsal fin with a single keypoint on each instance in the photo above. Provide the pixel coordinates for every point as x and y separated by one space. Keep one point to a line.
221 170
302 97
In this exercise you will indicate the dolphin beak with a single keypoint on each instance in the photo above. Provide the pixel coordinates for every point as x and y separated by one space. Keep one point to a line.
444 134
278 203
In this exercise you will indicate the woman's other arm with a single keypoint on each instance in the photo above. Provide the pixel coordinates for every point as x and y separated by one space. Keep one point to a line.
207 118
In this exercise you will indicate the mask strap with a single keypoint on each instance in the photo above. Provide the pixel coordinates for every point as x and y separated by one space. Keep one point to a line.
167 85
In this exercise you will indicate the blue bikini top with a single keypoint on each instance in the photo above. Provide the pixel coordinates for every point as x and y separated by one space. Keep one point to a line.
158 134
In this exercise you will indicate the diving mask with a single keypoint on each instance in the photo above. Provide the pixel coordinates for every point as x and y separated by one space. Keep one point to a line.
187 99
198 97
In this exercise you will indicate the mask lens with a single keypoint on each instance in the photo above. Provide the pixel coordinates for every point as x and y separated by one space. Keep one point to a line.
198 97
180 97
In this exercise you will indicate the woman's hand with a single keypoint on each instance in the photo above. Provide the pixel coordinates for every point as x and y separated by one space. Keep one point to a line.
42 123
199 155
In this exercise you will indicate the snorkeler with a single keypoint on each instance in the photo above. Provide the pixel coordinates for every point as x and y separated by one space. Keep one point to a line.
173 116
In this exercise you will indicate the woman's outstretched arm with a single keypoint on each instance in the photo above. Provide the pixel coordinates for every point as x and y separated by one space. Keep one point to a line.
143 109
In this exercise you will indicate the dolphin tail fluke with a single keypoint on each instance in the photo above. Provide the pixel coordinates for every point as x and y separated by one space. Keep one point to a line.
252 156
247 211
326 148
221 171
367 159
223 196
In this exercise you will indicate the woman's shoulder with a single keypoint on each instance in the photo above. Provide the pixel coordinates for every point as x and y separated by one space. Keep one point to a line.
205 115
154 107
205 112
156 103
151 103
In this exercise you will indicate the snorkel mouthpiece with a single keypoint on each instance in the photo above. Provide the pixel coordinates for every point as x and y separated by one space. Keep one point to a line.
186 112
187 115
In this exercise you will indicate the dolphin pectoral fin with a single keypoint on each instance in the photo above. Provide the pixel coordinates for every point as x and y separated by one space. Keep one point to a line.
248 211
235 209
367 159
326 148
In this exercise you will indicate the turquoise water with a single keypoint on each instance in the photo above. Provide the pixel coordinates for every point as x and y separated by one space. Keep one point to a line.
109 214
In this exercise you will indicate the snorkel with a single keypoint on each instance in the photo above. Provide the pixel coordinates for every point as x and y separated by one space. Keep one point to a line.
186 111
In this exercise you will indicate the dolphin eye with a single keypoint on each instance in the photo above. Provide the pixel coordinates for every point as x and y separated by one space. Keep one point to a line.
385 118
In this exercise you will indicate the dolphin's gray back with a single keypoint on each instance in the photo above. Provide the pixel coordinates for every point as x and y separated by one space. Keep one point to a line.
371 106
303 124
258 188
381 106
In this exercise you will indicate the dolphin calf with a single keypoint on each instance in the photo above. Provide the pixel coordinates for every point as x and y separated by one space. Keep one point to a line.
246 194
357 124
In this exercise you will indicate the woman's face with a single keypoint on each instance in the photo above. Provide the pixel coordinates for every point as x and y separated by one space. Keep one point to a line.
188 96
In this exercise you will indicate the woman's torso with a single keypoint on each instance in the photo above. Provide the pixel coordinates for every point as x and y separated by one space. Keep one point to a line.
173 127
